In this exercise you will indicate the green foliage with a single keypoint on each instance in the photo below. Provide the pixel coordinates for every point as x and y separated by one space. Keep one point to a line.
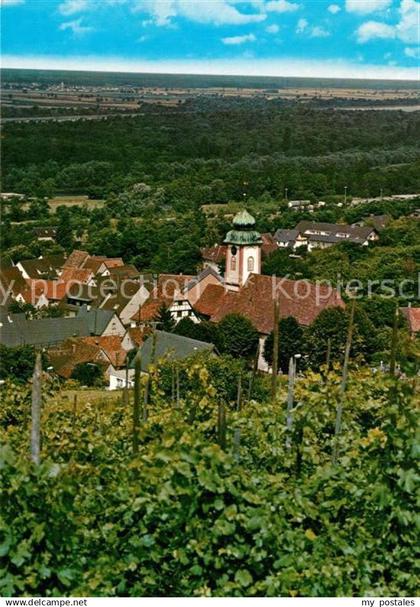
332 324
64 235
237 336
88 374
16 364
186 518
164 319
291 342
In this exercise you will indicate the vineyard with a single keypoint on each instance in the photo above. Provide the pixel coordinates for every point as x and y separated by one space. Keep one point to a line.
258 511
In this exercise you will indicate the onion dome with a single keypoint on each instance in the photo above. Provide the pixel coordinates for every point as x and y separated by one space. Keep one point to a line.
243 232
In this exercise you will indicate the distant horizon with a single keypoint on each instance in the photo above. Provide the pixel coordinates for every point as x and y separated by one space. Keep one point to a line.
347 73
357 39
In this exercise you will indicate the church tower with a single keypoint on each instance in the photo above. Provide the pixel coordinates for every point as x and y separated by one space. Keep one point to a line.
243 256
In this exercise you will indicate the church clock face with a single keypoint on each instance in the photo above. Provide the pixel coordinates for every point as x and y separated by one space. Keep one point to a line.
233 250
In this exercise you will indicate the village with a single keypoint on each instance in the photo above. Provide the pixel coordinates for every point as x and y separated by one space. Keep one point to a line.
106 309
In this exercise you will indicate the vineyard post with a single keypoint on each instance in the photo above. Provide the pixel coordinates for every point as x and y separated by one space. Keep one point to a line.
36 409
126 382
137 395
177 387
239 393
275 352
74 411
290 401
173 384
221 426
146 400
236 443
328 358
343 385
254 371
394 342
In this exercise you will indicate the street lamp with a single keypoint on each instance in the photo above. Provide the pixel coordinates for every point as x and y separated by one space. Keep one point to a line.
345 194
285 192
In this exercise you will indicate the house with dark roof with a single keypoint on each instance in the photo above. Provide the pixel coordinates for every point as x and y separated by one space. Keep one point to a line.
48 267
321 235
40 332
101 322
157 346
286 238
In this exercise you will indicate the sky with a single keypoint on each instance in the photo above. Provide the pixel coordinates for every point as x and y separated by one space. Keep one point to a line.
336 38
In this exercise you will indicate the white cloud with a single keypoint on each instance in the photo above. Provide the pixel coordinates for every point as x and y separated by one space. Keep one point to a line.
11 2
281 6
76 27
334 9
239 39
315 31
70 7
217 12
408 29
412 52
301 26
286 66
371 30
272 29
319 32
364 7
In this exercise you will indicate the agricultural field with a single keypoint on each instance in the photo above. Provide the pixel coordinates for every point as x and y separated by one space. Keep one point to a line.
105 516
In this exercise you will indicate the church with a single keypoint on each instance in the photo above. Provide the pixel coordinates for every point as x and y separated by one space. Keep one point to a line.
244 290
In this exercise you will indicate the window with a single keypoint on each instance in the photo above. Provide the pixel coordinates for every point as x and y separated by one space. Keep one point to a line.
233 263
250 264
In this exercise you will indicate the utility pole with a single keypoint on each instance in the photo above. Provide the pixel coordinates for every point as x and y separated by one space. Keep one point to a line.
275 368
36 409
343 385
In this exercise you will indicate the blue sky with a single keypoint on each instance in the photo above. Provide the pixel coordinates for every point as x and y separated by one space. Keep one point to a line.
348 38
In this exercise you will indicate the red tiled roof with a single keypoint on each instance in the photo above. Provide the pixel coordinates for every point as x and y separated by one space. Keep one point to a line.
138 334
210 300
301 299
54 290
113 262
149 310
111 345
94 262
168 284
269 244
413 318
71 353
214 254
76 259
13 279
76 275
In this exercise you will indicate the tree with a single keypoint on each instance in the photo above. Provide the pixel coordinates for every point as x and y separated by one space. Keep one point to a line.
87 374
164 319
331 325
64 231
291 342
237 336
16 363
